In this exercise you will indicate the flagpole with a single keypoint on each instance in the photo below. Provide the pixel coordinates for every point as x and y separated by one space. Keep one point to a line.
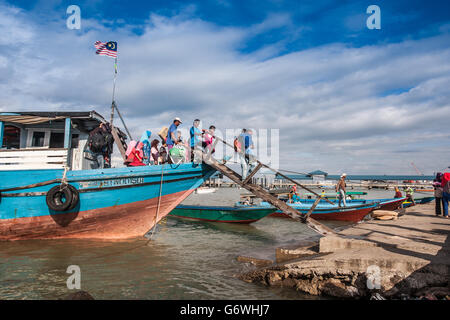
113 103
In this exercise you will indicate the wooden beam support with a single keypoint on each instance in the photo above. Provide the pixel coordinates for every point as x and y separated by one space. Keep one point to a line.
118 142
306 216
252 173
263 194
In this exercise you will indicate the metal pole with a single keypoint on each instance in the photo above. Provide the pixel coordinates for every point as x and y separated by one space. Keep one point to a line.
114 91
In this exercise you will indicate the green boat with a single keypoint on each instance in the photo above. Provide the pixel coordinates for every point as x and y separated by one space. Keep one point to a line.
247 214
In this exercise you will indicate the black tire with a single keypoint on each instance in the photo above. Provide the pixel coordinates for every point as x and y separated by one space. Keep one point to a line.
54 198
75 198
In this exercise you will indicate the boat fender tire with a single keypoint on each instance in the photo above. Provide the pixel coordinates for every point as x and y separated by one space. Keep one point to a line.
55 196
75 198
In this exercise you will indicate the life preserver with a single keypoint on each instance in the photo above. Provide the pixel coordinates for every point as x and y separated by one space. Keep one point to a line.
62 198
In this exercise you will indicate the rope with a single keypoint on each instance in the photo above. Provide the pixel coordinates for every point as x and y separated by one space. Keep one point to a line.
159 204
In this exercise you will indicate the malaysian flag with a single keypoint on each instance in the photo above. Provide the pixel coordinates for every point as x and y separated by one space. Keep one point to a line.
106 49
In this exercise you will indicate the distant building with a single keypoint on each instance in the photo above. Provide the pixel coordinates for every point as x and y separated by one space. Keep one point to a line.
318 175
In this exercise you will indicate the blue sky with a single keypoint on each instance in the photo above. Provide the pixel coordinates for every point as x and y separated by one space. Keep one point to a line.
343 97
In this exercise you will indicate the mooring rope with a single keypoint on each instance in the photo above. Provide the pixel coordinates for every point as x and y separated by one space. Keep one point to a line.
159 204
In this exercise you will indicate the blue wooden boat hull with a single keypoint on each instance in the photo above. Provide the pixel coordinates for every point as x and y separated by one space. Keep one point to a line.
327 211
114 203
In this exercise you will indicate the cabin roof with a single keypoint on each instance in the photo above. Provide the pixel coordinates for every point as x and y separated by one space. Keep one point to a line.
86 120
56 114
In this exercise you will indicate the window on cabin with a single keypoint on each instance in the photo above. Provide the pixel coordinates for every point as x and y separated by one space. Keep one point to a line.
56 140
75 140
38 139
11 137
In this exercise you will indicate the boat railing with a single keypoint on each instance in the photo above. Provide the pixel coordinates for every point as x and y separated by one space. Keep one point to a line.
28 159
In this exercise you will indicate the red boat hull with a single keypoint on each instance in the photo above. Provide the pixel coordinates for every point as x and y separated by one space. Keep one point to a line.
351 215
391 206
111 223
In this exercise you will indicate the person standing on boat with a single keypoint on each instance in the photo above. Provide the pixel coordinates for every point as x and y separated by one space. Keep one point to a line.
438 194
340 188
398 193
172 138
409 195
196 135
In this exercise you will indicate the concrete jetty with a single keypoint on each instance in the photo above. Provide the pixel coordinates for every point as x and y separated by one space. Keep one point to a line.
403 258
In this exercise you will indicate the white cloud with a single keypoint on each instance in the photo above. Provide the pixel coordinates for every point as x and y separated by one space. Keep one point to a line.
333 104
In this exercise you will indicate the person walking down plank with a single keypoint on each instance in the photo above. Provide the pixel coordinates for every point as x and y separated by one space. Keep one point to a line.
340 188
172 138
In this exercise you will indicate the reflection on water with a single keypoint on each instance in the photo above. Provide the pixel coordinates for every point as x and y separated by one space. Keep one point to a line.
185 260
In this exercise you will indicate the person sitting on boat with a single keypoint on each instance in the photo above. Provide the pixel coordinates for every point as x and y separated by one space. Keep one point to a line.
146 149
154 152
294 197
340 188
136 156
162 155
409 195
398 193
172 133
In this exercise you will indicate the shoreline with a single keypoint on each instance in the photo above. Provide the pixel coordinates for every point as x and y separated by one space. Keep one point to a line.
403 258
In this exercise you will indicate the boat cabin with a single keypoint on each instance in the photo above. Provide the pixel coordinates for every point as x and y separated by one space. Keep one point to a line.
48 140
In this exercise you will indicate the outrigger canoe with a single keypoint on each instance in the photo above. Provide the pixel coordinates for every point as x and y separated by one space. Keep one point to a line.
247 214
327 211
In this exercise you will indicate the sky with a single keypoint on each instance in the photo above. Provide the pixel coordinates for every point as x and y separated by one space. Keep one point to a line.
334 95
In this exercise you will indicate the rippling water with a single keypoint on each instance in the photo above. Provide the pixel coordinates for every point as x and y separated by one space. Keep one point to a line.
185 260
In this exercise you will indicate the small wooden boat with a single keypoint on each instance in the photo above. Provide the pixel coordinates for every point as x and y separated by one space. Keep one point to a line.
423 200
205 190
243 214
327 211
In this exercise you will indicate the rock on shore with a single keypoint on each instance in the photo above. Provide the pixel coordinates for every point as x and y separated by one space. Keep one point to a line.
396 258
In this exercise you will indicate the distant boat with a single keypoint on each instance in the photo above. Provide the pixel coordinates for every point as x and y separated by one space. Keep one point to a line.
205 190
49 189
327 211
243 214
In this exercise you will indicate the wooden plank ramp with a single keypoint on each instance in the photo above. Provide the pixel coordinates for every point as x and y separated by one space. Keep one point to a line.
265 195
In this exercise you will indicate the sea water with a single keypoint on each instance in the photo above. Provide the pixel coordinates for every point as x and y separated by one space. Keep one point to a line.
184 260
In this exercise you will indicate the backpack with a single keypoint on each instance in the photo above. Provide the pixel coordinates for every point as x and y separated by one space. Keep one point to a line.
97 141
237 145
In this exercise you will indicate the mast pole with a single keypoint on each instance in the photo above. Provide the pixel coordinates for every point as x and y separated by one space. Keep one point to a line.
113 103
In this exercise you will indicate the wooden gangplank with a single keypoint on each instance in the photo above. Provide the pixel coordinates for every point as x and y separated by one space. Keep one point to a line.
265 195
